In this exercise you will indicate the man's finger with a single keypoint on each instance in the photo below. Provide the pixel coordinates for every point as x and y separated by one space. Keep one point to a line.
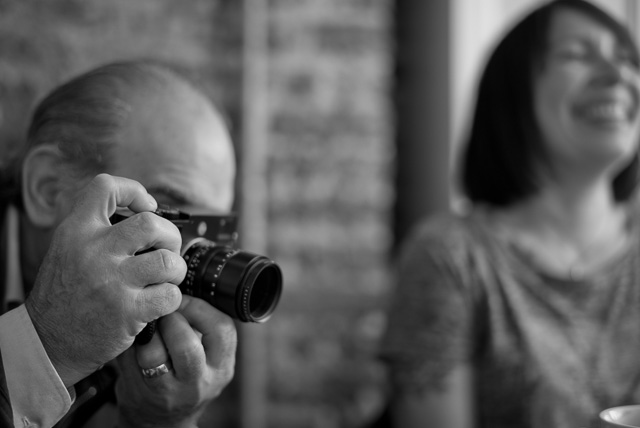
153 267
155 301
105 193
183 344
219 335
152 354
144 231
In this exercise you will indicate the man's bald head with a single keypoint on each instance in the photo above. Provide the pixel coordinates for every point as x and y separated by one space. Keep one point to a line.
133 106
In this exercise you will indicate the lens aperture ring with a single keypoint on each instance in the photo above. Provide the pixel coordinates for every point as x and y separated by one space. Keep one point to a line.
198 259
246 308
220 263
241 284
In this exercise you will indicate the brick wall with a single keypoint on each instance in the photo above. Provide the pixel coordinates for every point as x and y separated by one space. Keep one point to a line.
331 193
330 183
44 43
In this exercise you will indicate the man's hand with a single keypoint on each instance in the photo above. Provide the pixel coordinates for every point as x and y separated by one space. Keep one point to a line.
93 294
198 344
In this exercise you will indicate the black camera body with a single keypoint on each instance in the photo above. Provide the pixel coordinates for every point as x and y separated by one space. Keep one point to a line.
244 285
221 229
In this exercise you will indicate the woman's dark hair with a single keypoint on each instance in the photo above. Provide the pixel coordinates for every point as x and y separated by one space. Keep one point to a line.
504 150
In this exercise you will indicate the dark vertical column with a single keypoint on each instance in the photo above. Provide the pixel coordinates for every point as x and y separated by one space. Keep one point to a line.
422 104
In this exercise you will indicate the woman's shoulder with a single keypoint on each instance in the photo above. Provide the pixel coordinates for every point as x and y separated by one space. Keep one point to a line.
633 207
450 229
449 238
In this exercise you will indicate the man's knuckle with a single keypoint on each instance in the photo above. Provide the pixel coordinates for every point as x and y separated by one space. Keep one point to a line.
105 181
166 299
193 364
228 332
146 223
152 303
223 375
167 261
227 373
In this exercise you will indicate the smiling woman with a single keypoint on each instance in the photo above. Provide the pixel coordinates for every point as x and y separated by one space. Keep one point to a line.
586 97
524 311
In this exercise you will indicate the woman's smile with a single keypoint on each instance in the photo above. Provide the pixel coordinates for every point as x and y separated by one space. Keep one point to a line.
586 95
608 111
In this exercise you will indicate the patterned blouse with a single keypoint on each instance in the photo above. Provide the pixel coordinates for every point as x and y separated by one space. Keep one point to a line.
548 351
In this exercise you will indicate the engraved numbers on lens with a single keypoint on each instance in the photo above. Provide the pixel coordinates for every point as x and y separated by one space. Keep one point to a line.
193 260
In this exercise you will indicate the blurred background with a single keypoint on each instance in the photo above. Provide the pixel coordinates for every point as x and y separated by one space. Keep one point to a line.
347 117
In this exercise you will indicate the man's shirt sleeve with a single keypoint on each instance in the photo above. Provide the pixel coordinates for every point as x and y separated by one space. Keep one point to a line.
38 395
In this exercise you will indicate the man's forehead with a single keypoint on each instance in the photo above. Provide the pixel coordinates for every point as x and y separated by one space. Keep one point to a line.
170 195
177 146
185 200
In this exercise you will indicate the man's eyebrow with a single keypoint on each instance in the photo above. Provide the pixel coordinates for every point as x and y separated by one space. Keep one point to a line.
173 196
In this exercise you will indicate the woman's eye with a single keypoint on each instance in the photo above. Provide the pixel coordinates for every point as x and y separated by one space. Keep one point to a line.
574 53
627 58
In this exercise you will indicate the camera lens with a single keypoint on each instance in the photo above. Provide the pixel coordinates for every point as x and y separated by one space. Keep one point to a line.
244 285
267 283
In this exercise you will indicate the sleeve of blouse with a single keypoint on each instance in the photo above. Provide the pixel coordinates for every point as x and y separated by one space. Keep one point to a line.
430 319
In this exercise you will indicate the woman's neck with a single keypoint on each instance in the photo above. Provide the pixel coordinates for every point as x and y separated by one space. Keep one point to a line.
579 229
574 215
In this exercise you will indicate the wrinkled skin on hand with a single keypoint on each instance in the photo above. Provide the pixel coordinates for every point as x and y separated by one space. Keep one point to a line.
200 343
93 294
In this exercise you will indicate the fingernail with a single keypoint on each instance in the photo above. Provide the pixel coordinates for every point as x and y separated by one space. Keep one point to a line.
152 201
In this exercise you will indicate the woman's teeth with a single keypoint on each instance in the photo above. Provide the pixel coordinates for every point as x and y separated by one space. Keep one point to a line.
607 112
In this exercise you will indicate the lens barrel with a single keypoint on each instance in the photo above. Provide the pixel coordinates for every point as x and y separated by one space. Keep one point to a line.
244 285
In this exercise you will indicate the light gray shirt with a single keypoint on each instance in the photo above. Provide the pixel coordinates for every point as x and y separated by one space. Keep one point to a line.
548 351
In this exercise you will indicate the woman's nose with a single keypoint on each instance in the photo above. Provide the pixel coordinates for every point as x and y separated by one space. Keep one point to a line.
616 70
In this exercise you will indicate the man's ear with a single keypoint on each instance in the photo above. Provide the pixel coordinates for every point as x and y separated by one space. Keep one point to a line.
41 185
